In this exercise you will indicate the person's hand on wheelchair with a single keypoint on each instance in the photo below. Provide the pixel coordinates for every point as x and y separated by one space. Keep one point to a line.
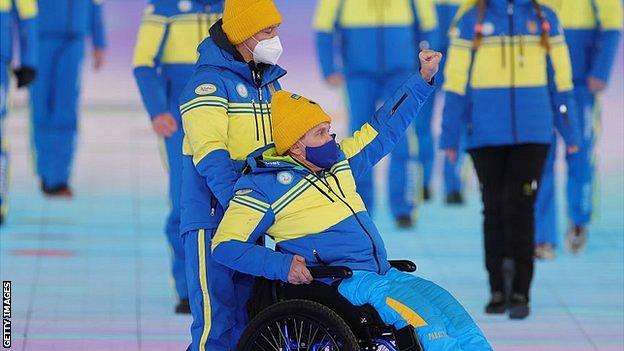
299 273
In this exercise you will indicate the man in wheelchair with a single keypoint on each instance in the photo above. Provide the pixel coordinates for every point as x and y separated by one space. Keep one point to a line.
302 193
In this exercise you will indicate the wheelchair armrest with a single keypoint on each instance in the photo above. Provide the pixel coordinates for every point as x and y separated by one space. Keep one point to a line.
330 272
403 265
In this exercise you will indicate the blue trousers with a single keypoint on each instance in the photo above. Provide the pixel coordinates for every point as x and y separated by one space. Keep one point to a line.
403 299
173 160
453 171
218 296
365 91
581 168
4 156
54 96
581 165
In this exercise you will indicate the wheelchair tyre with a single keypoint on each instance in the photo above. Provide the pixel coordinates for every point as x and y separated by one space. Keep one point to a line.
298 325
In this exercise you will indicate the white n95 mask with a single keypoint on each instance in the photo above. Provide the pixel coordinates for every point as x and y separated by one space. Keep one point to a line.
268 51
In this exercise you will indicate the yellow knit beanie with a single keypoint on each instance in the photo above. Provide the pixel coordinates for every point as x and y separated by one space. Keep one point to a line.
244 18
293 116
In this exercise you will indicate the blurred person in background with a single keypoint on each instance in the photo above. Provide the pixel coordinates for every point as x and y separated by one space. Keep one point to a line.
226 115
446 11
379 41
592 30
63 26
164 60
508 84
15 16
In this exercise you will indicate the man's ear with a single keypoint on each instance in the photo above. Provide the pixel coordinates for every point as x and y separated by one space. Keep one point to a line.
297 149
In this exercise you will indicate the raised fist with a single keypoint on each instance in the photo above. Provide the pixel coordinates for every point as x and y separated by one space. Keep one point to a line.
429 63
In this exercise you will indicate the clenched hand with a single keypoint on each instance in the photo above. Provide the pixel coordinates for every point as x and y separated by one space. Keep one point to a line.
429 63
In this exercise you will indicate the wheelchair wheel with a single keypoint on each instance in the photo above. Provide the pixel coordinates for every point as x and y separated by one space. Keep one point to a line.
298 325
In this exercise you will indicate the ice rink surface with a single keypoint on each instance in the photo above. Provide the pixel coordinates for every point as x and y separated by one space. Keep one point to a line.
93 273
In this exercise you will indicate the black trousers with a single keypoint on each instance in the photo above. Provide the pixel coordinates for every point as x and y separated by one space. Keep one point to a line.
509 178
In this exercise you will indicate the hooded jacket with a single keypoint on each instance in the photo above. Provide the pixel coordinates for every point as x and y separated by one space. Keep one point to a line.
226 114
510 90
319 216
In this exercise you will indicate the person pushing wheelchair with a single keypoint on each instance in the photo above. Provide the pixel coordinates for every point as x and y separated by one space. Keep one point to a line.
302 193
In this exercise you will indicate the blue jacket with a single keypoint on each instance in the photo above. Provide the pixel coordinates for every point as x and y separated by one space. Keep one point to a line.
510 90
166 49
375 37
226 114
72 18
592 29
319 216
24 12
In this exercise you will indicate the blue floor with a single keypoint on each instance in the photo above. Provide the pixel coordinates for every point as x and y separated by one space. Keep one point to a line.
92 273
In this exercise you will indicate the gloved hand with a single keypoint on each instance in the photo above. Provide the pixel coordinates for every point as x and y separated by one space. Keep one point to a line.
25 75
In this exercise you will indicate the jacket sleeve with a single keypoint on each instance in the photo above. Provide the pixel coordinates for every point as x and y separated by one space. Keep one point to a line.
98 33
456 80
378 137
427 23
560 84
205 123
609 15
247 219
27 12
325 22
146 54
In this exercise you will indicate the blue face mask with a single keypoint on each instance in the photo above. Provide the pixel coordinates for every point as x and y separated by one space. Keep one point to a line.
323 156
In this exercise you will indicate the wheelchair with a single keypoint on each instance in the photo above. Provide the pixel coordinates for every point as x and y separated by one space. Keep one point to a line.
315 317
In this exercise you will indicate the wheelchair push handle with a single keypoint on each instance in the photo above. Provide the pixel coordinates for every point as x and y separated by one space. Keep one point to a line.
340 272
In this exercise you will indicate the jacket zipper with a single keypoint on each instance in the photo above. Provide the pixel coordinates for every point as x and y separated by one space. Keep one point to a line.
258 83
253 104
510 14
370 237
213 205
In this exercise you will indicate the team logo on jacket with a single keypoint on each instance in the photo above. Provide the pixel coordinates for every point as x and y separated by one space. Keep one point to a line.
243 191
532 27
242 90
488 28
205 89
285 177
185 5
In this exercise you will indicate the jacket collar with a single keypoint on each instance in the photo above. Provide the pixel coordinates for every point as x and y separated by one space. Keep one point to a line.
217 51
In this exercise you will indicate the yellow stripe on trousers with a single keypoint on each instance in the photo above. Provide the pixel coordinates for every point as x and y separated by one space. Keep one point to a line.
201 247
406 313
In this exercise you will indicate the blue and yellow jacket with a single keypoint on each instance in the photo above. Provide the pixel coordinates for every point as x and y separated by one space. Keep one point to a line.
226 114
166 49
592 29
24 12
446 11
511 89
319 216
376 36
72 19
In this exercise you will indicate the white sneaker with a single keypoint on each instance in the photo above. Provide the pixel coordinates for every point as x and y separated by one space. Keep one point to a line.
545 252
576 239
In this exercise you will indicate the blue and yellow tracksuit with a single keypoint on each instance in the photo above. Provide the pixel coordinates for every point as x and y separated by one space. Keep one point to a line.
500 93
24 13
63 25
321 217
226 114
592 29
446 11
379 45
164 59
